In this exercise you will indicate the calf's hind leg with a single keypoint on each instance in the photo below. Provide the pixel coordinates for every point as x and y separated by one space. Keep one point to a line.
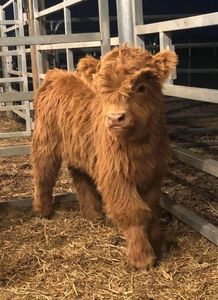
89 198
45 171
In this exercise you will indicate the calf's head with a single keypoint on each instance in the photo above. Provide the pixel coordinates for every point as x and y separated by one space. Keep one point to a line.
128 87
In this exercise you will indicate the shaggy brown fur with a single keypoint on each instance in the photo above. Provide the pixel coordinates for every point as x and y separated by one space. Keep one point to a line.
110 129
86 69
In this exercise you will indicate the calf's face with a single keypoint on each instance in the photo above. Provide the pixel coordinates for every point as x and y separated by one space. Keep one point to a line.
128 114
128 85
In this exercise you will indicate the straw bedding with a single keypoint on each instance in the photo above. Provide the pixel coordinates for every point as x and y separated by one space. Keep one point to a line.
68 257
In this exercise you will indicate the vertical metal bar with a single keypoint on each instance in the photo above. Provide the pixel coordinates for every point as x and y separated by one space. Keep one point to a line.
68 30
37 32
6 62
125 23
166 43
165 40
19 60
104 23
23 65
22 58
138 19
189 66
33 51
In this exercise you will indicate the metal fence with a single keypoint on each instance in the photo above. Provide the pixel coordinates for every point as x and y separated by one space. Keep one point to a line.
17 49
17 98
28 16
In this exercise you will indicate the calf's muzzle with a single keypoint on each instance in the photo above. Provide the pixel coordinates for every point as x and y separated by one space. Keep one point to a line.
116 119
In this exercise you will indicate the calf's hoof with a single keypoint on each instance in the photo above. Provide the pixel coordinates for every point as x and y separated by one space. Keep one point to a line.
143 260
92 214
45 212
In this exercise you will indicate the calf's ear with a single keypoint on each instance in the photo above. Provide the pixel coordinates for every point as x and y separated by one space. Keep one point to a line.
164 62
88 66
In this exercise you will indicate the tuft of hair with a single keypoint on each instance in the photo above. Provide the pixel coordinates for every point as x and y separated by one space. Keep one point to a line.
54 74
87 68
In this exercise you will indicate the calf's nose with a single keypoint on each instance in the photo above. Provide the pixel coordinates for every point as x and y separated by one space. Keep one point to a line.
116 119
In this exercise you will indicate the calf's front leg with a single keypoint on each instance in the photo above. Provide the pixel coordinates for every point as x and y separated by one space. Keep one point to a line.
132 215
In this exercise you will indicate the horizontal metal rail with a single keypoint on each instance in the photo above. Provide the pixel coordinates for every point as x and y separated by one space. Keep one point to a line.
69 46
10 22
12 28
56 8
4 135
15 151
12 107
113 41
187 216
179 24
197 71
11 79
193 93
209 166
191 219
10 53
18 96
7 4
50 39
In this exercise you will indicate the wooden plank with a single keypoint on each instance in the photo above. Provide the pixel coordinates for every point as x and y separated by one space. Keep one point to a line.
179 24
56 7
209 166
51 39
14 151
19 96
193 93
191 219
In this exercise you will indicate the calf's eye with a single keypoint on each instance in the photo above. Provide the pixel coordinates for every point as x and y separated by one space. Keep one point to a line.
141 88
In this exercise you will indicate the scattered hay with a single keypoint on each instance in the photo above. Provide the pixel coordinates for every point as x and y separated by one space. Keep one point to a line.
68 257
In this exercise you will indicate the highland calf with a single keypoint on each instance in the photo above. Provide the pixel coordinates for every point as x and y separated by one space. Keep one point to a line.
106 121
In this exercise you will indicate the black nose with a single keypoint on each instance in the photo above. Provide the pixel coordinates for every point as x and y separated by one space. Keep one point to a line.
115 119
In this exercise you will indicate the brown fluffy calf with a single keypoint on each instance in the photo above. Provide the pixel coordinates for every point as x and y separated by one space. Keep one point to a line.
110 129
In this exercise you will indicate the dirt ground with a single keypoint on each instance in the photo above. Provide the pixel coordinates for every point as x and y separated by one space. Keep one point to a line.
67 257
